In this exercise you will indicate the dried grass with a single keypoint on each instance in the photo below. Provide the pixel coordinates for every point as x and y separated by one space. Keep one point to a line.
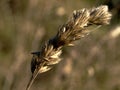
74 29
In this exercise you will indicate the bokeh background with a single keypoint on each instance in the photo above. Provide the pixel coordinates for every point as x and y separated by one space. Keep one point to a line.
92 64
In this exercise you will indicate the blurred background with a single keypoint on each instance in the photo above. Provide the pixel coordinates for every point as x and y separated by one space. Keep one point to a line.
92 64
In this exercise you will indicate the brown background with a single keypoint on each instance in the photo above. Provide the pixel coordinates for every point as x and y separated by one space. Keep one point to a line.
93 64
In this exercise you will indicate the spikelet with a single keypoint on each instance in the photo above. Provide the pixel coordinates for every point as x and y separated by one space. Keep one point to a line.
74 29
81 17
100 15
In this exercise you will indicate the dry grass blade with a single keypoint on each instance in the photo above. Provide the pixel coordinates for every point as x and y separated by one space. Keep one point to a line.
74 29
